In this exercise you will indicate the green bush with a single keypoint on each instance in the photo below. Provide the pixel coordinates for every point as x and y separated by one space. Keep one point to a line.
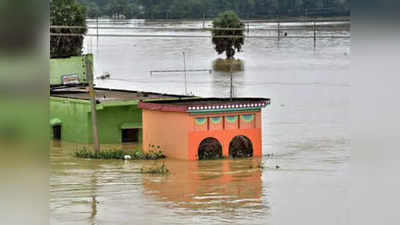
119 154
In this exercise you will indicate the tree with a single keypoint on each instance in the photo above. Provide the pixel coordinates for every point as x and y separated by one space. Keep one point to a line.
93 10
228 19
67 13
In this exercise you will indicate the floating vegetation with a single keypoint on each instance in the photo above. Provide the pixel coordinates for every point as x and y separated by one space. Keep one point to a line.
155 170
225 65
119 154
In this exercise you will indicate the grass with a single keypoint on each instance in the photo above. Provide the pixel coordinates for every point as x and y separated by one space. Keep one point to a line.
155 170
119 154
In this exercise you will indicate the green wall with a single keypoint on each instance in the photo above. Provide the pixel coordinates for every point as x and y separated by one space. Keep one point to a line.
75 119
68 66
111 119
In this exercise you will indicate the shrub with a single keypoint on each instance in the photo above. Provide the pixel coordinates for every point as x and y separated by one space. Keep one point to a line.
119 154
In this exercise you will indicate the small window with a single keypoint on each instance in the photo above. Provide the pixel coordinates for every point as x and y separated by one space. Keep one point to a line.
57 132
130 135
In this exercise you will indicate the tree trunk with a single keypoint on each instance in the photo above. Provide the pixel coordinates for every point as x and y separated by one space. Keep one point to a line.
230 52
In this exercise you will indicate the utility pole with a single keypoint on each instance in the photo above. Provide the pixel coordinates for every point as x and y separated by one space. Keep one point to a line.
230 70
89 74
184 69
97 32
279 22
279 28
204 20
315 34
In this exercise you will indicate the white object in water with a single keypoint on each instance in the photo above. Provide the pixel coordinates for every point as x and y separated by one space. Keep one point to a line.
127 157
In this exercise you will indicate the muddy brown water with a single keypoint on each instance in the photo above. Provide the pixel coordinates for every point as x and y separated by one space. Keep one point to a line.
304 132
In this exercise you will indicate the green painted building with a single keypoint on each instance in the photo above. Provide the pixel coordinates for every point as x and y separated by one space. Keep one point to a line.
119 119
69 71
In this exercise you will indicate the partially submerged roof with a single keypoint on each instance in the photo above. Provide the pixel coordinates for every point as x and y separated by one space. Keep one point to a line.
109 95
206 105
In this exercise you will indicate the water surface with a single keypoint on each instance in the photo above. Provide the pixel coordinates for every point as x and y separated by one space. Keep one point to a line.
305 129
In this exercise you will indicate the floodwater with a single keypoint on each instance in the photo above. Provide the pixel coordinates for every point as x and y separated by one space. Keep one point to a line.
305 129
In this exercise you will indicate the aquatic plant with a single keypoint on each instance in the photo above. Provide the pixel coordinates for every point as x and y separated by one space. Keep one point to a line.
155 170
119 154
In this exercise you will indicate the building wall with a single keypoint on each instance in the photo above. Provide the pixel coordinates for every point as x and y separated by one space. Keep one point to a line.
74 117
230 125
179 134
76 123
110 120
167 131
67 66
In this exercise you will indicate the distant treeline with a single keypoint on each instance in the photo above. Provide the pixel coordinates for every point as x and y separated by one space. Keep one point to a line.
196 9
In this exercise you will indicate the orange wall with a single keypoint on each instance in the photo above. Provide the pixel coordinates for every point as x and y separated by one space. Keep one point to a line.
169 130
226 132
225 137
179 135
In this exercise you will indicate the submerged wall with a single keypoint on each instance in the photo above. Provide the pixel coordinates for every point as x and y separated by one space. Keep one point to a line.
179 134
166 131
73 116
224 127
111 121
75 119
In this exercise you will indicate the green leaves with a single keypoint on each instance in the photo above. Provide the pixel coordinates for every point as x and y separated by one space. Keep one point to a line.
119 154
225 39
66 13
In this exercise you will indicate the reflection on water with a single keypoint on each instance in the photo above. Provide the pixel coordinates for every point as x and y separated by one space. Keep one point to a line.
96 191
210 187
228 65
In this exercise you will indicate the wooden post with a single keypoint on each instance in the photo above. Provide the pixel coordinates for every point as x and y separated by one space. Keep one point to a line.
89 74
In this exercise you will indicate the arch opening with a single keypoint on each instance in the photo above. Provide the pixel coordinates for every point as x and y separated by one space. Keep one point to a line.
209 148
240 147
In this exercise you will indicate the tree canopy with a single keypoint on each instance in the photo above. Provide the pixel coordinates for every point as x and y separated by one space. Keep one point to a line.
227 44
67 13
197 9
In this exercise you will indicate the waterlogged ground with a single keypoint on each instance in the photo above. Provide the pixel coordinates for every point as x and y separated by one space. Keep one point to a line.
305 129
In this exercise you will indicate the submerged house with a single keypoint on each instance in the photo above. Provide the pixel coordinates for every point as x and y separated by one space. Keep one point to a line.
195 129
119 119
183 127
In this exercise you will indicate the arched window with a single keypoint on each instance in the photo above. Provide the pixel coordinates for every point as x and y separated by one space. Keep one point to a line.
209 148
240 147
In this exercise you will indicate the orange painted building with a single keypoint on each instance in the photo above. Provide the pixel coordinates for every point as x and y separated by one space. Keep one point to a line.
203 128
